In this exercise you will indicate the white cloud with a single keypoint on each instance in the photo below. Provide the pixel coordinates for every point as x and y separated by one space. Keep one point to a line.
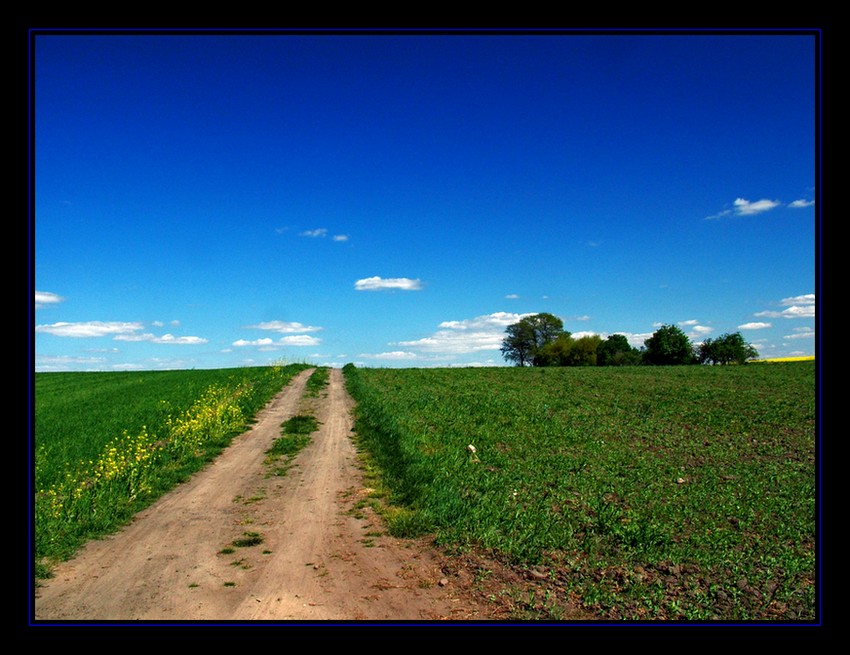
165 338
498 320
266 343
319 232
299 340
468 335
45 298
801 333
795 311
701 330
747 208
126 367
742 207
512 296
807 299
797 307
585 333
61 362
239 343
797 204
340 237
448 341
754 326
377 284
692 321
285 327
395 355
89 328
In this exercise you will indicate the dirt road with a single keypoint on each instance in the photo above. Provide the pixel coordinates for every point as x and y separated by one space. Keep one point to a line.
317 561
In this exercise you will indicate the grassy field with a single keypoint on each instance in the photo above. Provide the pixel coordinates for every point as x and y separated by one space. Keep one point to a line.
638 493
108 444
641 493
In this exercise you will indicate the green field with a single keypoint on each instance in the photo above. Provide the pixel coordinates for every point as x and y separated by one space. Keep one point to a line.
635 493
643 493
108 444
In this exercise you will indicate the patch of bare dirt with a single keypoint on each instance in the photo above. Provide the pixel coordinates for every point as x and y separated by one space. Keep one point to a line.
305 556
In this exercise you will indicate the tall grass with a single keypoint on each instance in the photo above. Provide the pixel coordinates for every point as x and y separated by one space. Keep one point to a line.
650 492
107 445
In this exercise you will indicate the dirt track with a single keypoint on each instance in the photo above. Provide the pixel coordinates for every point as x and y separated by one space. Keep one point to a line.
318 561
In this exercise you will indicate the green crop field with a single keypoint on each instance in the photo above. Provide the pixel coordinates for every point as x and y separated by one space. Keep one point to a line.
108 444
635 493
641 493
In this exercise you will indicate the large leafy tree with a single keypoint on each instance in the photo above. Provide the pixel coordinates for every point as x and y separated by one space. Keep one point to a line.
726 349
616 351
568 351
557 352
668 345
525 338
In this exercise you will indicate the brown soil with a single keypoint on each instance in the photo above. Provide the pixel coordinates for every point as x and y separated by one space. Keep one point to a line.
318 559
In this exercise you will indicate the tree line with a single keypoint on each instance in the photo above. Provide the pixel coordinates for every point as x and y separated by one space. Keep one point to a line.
540 340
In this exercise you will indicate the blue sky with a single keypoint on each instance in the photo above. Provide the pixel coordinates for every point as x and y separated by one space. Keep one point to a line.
206 201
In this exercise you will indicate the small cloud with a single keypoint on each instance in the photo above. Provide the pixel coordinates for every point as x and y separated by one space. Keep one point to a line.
754 326
127 367
512 296
157 323
701 330
340 237
747 208
795 311
317 233
451 342
45 298
378 284
267 343
467 336
496 320
801 333
692 321
165 338
285 327
585 333
799 204
299 340
807 299
65 363
798 307
241 343
395 355
743 207
89 329
582 318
